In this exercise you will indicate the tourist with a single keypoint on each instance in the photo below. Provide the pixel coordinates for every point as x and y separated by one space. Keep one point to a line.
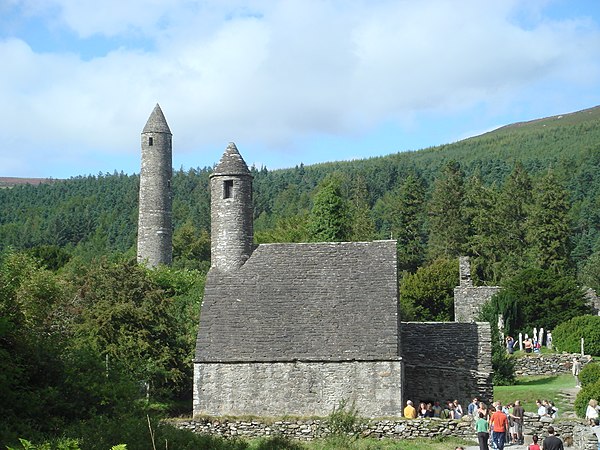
518 415
552 442
472 408
535 445
541 408
575 370
409 411
482 409
422 412
457 410
528 345
596 430
437 409
429 410
483 434
510 345
591 413
499 425
552 410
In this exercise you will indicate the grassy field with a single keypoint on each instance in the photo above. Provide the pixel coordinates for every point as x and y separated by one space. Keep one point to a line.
531 388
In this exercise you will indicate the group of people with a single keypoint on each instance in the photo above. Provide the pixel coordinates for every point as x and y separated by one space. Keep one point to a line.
498 424
450 410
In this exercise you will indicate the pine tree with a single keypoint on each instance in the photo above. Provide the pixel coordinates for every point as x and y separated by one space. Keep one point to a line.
512 213
447 225
549 228
362 225
484 229
328 221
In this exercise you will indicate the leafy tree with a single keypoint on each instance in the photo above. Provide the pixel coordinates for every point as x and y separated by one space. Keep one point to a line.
447 227
328 220
567 336
539 298
428 294
125 317
191 247
590 272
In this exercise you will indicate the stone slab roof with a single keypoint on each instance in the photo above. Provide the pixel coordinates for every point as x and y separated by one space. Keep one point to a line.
303 302
156 122
231 163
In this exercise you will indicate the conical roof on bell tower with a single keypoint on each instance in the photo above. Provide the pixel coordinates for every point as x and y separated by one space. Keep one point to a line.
231 163
157 122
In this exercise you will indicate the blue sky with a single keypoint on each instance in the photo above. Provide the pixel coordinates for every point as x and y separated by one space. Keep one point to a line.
290 82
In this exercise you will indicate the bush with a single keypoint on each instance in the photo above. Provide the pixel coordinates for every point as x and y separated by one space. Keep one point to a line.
590 374
503 364
567 336
344 420
585 395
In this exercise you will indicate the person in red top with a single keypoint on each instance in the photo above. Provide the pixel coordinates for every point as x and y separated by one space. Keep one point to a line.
499 423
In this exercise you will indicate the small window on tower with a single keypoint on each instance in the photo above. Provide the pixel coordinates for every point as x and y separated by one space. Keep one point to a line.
150 141
228 189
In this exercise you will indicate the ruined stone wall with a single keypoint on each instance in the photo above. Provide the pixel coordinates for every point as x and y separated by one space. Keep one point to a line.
446 361
301 388
469 299
547 363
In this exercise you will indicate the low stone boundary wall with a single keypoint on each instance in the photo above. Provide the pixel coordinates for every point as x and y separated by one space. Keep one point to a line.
573 432
317 428
547 363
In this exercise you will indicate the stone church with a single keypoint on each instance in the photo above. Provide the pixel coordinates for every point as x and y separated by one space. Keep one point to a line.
293 329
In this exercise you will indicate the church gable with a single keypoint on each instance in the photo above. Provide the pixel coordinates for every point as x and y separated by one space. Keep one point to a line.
303 302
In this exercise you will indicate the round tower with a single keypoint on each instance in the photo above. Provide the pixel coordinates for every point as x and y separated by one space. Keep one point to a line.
154 245
231 226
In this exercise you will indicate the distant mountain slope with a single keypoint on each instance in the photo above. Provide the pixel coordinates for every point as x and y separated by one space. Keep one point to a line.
7 182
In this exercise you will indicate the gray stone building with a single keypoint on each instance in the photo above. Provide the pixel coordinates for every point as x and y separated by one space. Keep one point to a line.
469 299
155 235
292 329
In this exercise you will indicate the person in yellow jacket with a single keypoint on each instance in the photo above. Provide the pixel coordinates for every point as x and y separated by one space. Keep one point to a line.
409 411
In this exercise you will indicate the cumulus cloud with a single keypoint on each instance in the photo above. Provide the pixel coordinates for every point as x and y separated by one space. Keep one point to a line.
273 73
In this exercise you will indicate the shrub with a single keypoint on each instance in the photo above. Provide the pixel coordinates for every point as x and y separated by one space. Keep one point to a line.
567 336
585 394
590 374
344 419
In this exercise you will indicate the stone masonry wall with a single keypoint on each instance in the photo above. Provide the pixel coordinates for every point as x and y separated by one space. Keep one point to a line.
301 388
547 363
446 361
469 299
572 431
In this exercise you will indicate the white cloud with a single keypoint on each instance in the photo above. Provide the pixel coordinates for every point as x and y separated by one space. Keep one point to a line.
276 72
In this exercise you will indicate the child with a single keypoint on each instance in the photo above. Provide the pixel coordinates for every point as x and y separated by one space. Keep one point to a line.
535 445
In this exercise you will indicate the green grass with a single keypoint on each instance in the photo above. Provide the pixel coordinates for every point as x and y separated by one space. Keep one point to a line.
360 444
529 389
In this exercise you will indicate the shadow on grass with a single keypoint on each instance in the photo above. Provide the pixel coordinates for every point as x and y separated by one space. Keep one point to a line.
536 381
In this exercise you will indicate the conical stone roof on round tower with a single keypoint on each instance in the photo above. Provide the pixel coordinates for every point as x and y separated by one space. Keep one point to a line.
232 232
155 233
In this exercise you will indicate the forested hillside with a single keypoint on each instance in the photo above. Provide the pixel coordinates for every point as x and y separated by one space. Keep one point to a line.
89 216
